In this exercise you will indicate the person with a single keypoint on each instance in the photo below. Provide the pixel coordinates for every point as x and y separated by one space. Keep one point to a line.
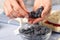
16 8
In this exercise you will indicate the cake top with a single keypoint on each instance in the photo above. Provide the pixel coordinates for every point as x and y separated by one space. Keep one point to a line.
54 17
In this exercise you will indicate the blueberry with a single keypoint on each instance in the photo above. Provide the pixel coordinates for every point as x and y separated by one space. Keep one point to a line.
38 33
42 32
37 28
39 10
47 30
29 31
37 13
32 14
22 31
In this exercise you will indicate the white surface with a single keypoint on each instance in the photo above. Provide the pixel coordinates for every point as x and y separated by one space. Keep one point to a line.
7 30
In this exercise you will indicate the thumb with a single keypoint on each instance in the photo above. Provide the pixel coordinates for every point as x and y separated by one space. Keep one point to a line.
46 11
22 5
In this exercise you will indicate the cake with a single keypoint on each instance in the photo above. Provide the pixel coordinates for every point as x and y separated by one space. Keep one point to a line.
53 21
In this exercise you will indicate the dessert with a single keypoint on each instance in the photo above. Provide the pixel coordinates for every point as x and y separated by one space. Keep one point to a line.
53 21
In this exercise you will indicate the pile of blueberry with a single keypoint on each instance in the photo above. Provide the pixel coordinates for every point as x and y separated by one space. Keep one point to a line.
37 13
35 32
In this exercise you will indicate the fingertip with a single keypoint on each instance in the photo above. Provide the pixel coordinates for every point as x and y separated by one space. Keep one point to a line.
37 20
30 22
22 5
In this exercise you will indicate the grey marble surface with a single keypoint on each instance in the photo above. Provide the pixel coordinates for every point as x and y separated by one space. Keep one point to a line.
7 30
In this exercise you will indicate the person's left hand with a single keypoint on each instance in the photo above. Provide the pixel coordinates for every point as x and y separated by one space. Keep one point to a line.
47 7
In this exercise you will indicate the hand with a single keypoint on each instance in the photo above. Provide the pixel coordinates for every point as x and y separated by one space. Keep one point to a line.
15 8
47 7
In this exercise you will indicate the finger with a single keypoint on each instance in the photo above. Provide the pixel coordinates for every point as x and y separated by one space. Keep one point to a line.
10 16
5 10
37 4
17 8
14 3
22 5
22 12
46 11
11 12
30 20
8 5
47 7
37 20
15 14
9 9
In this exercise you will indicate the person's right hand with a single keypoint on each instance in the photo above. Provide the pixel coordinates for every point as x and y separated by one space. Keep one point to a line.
15 8
47 4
